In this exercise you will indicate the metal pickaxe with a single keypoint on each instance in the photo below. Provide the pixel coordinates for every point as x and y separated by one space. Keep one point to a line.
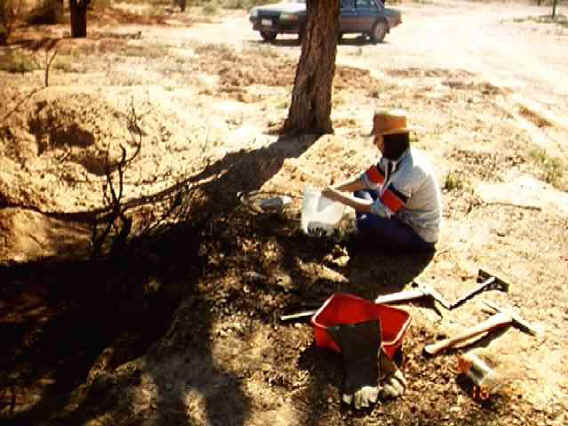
488 282
418 292
500 319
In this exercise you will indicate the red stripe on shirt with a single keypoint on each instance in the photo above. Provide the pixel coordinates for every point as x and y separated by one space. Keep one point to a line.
374 175
392 202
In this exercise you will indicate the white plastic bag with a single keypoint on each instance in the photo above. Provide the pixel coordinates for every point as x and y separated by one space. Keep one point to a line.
319 214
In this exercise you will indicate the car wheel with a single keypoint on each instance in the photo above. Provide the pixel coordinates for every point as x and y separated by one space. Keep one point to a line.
379 31
267 35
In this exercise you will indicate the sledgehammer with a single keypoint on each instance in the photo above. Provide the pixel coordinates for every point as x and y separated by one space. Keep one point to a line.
498 320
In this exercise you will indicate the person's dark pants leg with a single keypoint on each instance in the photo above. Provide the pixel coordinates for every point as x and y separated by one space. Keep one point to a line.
391 234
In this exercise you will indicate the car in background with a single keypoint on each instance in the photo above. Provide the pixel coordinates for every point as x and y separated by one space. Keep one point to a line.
367 17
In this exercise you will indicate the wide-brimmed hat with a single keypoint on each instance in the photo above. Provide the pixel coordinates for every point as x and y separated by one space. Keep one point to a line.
389 123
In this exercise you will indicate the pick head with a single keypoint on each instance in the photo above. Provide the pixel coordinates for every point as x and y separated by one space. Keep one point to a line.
517 319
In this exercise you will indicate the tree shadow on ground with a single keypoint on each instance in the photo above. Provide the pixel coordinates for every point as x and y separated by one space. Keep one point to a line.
116 317
360 40
117 305
280 42
377 272
325 368
110 301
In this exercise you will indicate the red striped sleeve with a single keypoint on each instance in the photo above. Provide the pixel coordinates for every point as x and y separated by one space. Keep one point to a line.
392 200
374 175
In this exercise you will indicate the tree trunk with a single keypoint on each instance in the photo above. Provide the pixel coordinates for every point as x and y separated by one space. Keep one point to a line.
310 108
78 11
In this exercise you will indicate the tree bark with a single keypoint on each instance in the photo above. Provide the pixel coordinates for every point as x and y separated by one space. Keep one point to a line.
310 108
78 12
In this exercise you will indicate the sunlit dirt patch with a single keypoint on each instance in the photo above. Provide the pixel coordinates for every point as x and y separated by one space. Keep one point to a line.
68 129
353 78
257 67
484 88
112 15
428 72
486 165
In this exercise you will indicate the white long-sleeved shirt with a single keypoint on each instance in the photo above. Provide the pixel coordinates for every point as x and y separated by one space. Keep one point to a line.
409 190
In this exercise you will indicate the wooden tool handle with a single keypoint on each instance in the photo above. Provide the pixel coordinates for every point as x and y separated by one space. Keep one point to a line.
401 296
303 314
498 320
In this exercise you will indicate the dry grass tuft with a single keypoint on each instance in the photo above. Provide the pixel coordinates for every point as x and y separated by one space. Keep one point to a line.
552 167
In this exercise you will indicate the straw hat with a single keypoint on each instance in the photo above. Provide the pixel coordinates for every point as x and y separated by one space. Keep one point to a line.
389 122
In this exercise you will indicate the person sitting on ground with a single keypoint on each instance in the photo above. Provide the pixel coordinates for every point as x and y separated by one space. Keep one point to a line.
397 201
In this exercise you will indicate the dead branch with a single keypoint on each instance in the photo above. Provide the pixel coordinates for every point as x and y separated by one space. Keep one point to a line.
136 133
48 47
114 218
48 62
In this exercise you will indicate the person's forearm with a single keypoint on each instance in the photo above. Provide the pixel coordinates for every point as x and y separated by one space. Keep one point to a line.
359 204
353 184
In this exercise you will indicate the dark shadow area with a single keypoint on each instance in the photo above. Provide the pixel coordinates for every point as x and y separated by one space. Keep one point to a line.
280 41
360 40
374 272
127 302
325 368
287 42
144 300
246 171
81 308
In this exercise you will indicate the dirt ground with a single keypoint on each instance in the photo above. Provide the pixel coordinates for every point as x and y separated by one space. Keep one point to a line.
182 325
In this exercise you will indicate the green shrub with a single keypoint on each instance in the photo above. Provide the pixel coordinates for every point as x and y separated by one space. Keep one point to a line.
455 181
552 168
63 63
210 9
14 61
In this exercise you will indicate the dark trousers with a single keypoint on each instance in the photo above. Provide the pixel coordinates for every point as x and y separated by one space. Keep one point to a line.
390 234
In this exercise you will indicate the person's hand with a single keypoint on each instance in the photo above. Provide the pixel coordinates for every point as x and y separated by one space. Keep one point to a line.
330 193
393 386
379 209
363 397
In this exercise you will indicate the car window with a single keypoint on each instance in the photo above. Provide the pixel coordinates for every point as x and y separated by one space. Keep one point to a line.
365 4
347 4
